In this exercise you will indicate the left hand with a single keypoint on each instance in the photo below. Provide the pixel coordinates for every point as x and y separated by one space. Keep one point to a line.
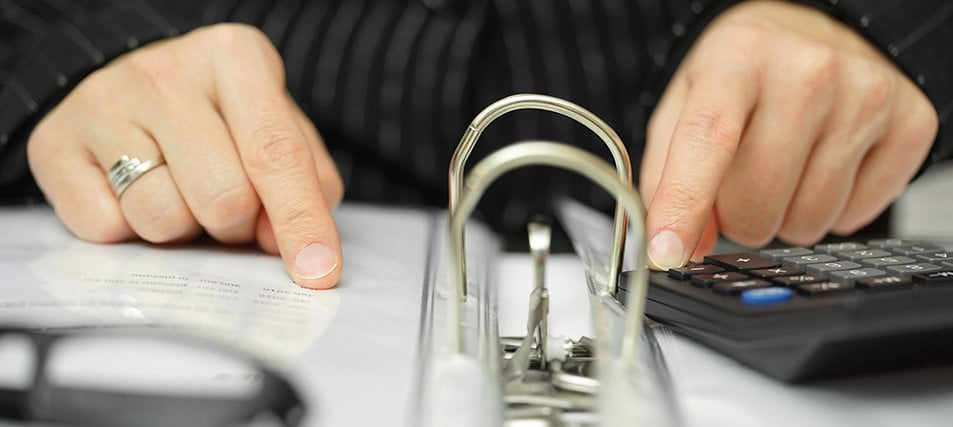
780 122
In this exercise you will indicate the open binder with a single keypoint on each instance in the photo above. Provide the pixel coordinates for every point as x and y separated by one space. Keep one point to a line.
403 339
470 376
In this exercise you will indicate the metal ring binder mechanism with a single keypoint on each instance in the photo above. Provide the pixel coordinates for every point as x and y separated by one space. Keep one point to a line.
548 103
544 380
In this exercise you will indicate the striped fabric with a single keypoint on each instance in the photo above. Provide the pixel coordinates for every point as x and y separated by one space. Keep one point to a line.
391 84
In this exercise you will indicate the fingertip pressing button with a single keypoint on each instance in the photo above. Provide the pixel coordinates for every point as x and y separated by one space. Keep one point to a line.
765 296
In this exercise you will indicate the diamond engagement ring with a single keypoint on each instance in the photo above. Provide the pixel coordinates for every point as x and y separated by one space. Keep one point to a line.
127 170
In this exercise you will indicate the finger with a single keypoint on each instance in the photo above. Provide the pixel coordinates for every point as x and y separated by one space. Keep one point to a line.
703 144
280 166
660 129
893 161
74 184
331 182
204 162
822 195
151 204
770 160
857 121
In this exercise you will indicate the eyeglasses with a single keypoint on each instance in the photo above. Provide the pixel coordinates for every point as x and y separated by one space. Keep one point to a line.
140 378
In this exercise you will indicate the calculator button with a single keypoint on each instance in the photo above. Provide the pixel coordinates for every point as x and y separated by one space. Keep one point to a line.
741 261
941 277
765 296
935 257
851 276
864 253
911 269
684 273
735 288
706 280
800 261
784 252
824 288
884 283
768 273
800 280
833 248
912 250
887 261
889 243
831 266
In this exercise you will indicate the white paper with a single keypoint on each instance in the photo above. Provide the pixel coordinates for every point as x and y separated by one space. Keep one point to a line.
353 351
349 350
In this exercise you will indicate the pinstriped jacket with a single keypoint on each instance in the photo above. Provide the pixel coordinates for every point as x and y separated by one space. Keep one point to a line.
391 84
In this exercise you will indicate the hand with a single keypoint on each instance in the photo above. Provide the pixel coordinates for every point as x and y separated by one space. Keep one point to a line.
779 122
243 162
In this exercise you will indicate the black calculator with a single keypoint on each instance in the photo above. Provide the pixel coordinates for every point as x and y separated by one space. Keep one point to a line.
800 314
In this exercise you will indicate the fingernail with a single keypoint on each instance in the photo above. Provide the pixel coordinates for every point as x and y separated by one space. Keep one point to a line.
666 250
316 261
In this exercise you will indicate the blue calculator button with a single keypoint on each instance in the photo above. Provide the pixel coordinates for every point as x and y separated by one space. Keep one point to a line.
765 296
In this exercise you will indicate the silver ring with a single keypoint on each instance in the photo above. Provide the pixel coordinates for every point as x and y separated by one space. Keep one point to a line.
127 170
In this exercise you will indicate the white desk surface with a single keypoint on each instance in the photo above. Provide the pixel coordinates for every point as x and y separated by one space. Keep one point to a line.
712 390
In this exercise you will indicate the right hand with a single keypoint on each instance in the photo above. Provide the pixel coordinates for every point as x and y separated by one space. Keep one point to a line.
780 122
243 162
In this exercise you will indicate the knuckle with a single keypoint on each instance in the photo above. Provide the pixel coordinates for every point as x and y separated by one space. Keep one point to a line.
732 48
156 65
276 148
231 35
233 39
95 90
816 67
710 131
229 207
739 36
876 90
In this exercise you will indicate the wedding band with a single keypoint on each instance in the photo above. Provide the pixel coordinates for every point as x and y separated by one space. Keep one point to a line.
126 171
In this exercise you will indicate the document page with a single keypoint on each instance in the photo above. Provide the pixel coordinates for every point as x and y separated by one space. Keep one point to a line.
348 349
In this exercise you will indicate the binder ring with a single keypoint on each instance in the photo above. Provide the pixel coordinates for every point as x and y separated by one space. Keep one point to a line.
560 156
556 105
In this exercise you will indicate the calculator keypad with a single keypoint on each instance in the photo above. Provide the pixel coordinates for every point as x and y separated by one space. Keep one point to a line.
741 261
768 273
809 259
773 276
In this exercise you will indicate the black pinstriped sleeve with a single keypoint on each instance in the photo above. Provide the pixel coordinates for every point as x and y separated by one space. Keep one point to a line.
391 84
47 46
